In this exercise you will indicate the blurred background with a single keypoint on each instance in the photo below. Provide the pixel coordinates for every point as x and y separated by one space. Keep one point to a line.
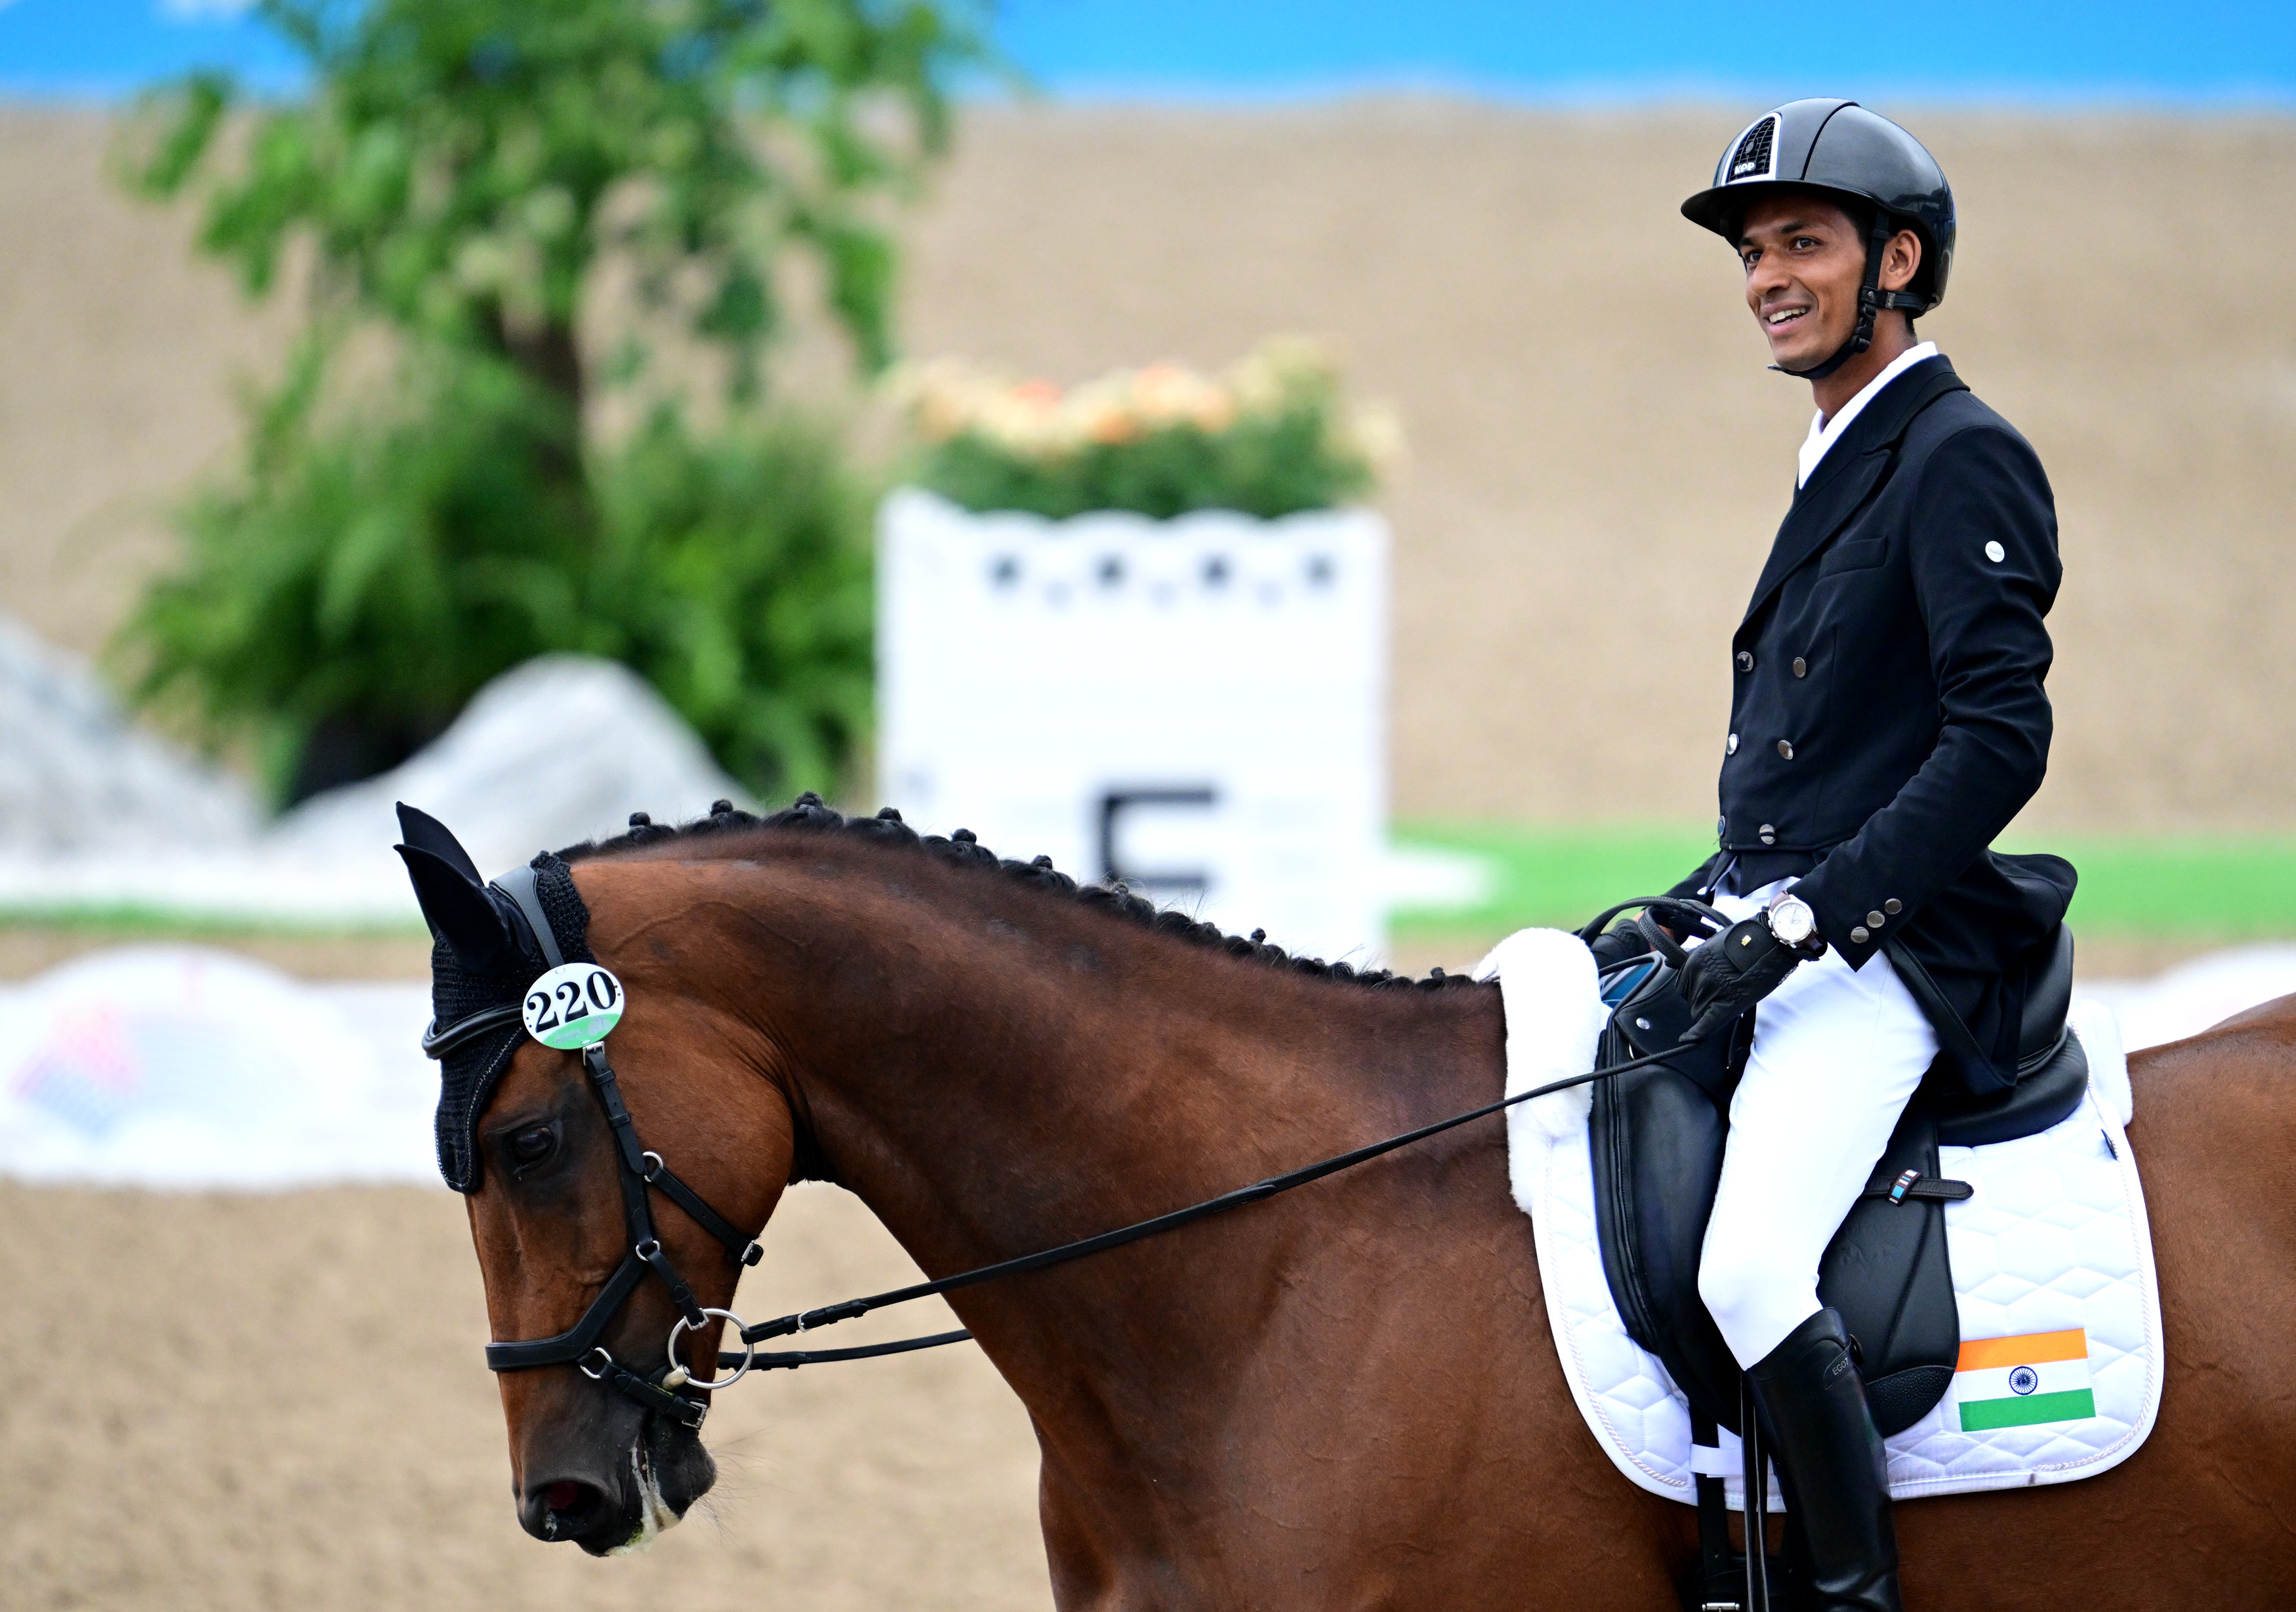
501 406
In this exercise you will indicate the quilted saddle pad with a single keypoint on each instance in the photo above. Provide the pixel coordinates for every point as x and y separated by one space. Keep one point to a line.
2060 1360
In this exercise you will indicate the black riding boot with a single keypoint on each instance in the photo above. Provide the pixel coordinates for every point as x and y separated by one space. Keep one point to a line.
1834 1466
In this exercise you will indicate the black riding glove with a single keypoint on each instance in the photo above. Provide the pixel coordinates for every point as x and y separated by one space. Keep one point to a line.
1735 970
1622 942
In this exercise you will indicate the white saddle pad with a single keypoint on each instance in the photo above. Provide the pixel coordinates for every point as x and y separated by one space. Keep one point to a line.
2060 1355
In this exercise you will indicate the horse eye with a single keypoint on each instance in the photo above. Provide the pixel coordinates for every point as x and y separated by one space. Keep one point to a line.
532 1145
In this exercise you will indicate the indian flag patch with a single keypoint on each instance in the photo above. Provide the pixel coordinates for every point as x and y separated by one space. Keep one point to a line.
2022 1382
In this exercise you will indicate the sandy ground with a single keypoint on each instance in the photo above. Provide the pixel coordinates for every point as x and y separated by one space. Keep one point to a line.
262 1402
242 1403
249 1403
1599 457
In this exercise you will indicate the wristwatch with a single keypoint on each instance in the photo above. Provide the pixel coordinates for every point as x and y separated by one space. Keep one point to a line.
1793 922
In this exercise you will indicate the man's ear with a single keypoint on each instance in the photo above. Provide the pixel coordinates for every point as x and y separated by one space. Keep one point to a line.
1901 261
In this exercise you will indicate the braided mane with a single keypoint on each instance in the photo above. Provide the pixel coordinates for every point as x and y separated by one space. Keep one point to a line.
811 815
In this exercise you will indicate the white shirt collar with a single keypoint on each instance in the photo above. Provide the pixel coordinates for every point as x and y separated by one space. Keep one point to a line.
1823 432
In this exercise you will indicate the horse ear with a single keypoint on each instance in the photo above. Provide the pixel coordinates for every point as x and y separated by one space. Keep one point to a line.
425 832
459 913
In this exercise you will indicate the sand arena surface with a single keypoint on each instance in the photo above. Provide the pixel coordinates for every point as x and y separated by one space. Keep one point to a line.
231 1404
264 1402
1599 458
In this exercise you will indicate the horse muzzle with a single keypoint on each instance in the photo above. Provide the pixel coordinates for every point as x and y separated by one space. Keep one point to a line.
622 1505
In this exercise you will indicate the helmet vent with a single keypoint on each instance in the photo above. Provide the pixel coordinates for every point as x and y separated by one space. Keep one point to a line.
1757 151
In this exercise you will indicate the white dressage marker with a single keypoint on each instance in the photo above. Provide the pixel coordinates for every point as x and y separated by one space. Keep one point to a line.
1197 707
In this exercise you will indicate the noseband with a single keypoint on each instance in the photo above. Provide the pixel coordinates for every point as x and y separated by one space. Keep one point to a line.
639 1172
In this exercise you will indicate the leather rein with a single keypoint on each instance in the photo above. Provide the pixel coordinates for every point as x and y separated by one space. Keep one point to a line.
640 1171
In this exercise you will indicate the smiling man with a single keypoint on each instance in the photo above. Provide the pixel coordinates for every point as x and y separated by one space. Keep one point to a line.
1888 720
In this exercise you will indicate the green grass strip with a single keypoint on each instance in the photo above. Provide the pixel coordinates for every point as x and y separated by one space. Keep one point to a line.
2228 887
132 921
2223 888
2237 887
1984 1415
1559 875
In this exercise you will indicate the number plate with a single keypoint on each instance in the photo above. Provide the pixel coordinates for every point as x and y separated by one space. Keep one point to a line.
573 1006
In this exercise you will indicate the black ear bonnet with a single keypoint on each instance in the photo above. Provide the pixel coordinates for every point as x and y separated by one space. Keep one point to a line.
489 942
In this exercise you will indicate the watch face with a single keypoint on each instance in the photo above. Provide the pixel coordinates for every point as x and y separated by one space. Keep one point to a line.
1792 920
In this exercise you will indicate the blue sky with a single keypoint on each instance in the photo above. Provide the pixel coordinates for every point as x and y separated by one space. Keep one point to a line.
2207 52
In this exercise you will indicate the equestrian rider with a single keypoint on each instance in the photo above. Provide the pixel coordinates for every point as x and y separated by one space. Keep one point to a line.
1887 720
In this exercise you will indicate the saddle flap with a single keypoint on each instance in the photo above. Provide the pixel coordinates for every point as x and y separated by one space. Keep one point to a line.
1655 1140
1656 1137
1886 1271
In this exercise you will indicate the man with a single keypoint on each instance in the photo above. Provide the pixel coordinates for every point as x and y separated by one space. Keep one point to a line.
1887 722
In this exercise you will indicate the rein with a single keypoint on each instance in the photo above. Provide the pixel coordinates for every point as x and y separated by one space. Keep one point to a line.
805 1320
830 1314
640 1172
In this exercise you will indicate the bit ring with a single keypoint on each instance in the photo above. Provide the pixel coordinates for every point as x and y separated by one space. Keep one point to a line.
687 1379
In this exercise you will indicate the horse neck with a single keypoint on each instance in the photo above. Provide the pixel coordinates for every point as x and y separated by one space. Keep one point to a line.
994 1069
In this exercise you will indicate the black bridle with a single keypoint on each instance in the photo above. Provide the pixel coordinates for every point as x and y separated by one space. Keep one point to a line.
638 1170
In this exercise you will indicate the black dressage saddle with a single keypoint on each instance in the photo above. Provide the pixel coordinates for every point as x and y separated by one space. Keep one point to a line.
1656 1134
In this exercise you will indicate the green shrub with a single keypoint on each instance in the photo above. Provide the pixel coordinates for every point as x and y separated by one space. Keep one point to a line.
734 573
459 175
358 584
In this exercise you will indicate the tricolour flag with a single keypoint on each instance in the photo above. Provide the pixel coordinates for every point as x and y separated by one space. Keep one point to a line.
2021 1382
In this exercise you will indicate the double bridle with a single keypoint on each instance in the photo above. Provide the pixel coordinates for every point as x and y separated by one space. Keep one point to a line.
639 1171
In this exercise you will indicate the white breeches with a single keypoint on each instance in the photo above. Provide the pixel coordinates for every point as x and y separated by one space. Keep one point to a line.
1837 1054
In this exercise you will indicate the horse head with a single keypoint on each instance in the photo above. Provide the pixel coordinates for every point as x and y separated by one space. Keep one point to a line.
525 1133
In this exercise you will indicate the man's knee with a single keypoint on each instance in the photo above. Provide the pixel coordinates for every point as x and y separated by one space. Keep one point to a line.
1728 1279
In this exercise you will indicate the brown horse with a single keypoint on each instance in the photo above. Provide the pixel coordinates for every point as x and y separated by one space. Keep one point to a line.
1345 1396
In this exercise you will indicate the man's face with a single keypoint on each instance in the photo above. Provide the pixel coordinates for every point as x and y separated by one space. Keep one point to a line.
1804 259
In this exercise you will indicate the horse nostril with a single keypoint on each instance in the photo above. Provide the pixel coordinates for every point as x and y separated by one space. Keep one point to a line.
565 1508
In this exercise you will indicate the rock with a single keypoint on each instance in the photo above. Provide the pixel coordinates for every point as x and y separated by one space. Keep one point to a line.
560 749
96 815
77 779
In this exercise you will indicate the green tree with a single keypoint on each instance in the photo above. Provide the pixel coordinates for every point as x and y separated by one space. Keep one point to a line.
460 176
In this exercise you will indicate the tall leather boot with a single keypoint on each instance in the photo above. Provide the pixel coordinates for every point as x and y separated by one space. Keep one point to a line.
1832 1458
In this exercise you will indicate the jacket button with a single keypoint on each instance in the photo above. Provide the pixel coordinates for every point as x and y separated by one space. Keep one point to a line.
1721 828
1859 935
1785 749
1745 660
1801 666
1876 918
1770 835
1893 906
1730 748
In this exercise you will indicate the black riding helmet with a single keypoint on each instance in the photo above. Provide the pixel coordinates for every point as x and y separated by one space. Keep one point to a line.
1839 148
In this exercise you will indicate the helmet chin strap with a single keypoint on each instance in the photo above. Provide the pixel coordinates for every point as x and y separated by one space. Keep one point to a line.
1871 300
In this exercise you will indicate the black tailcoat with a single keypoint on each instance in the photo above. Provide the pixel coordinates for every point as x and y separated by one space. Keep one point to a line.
1888 717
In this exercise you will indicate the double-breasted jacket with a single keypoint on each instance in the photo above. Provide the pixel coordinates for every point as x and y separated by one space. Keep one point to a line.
1888 716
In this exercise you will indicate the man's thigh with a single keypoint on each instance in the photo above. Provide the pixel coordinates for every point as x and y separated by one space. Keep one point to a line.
1837 1053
